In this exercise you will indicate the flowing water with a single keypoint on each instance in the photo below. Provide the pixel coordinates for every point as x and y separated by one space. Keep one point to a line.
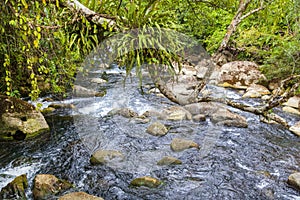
232 163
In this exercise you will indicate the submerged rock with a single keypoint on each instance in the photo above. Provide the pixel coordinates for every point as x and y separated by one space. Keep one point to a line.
204 108
46 185
79 196
20 120
296 128
103 156
146 181
168 160
178 144
15 189
157 129
294 180
98 80
61 106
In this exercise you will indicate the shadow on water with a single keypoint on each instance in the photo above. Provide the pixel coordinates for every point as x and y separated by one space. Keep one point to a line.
251 163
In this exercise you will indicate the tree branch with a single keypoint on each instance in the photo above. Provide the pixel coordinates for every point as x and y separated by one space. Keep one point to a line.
95 17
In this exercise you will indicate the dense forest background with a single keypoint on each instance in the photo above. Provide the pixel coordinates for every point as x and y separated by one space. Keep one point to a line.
43 42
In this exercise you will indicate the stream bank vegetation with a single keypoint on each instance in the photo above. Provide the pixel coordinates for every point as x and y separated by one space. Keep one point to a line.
43 42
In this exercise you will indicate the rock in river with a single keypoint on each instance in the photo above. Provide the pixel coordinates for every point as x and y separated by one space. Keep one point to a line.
146 181
294 180
178 144
296 128
103 156
169 160
46 185
20 120
157 129
15 189
79 196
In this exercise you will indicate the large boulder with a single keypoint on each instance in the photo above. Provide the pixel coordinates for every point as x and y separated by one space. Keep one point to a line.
20 120
79 196
80 91
240 73
46 185
15 189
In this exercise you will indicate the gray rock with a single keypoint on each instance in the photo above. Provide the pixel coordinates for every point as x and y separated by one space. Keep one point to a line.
104 156
204 108
46 185
294 180
199 118
79 196
157 129
15 189
178 144
168 160
227 118
20 120
98 80
79 91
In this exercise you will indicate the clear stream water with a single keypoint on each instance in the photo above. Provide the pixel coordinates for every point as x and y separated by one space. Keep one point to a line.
234 163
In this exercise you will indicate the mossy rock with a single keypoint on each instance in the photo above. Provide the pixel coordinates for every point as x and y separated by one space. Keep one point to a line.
20 120
46 185
15 189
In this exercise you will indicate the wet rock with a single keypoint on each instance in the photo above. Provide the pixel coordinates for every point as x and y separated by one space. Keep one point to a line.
124 112
61 106
152 113
256 91
146 181
296 128
15 189
157 129
178 144
199 118
293 102
20 120
48 110
98 80
240 73
79 196
104 156
291 110
176 113
227 118
46 185
79 91
168 160
294 180
204 108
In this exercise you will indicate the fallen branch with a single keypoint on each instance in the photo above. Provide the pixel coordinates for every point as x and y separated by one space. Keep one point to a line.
96 18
